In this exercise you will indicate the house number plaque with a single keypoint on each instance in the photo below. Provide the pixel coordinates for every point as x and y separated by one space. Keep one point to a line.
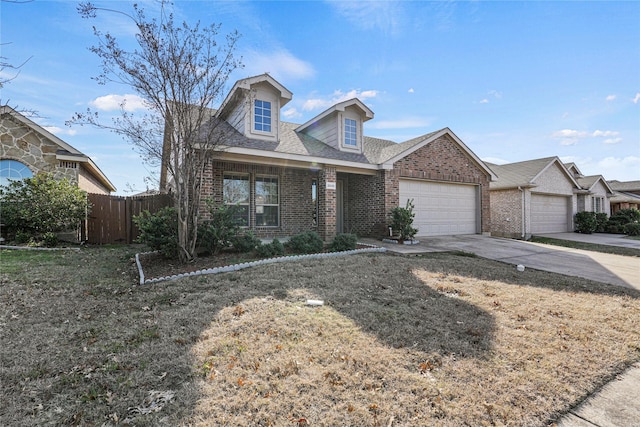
331 185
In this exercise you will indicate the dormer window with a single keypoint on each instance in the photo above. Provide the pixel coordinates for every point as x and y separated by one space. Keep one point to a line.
350 133
262 116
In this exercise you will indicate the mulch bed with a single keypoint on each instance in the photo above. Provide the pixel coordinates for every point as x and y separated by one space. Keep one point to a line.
155 265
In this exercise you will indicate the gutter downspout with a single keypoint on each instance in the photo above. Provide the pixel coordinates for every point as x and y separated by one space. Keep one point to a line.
522 213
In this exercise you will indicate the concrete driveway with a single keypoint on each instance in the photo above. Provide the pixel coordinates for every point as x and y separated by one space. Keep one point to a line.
606 268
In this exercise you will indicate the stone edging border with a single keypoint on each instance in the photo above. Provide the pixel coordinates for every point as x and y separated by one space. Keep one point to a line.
242 266
35 248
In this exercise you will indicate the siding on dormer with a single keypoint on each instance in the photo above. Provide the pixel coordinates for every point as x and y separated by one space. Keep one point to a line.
326 130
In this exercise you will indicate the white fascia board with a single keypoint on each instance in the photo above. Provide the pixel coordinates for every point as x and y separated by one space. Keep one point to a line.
245 84
341 106
298 158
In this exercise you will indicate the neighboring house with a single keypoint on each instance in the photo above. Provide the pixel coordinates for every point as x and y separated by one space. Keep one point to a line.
532 197
326 176
27 149
595 193
626 195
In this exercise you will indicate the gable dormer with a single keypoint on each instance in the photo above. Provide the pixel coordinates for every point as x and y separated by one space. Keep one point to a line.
253 106
341 126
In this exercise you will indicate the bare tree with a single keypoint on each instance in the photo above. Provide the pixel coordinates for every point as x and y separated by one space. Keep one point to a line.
179 70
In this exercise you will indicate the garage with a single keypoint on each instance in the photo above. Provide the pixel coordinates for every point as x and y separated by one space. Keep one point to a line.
442 209
549 214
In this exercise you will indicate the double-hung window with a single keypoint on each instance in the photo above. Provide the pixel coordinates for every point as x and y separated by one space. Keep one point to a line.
262 116
350 133
236 193
598 204
267 201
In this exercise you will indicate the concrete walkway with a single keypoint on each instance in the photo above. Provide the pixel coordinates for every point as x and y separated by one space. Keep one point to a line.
617 404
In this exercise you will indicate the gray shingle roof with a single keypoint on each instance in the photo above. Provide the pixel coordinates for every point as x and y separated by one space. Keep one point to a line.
520 174
625 185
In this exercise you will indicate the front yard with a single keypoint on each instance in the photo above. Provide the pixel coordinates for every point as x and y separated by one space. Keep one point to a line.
444 340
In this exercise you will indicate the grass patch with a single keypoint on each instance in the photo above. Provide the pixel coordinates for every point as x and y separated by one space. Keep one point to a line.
442 340
607 249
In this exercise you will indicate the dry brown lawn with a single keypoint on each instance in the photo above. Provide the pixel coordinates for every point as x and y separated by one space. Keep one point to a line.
444 340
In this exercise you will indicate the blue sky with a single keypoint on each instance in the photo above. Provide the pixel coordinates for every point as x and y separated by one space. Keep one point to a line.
514 80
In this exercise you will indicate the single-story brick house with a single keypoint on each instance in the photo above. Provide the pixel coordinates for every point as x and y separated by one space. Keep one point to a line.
626 195
27 149
595 193
532 197
326 176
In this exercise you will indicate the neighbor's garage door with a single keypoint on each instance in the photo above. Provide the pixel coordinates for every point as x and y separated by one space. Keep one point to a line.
441 209
549 214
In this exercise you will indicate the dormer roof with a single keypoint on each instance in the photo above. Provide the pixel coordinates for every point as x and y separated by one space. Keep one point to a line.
365 112
588 182
241 86
525 174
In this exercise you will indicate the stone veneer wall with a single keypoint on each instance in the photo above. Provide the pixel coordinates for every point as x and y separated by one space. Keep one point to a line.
443 160
21 143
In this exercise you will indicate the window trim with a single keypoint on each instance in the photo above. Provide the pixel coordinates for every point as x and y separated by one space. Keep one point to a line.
20 171
254 116
348 128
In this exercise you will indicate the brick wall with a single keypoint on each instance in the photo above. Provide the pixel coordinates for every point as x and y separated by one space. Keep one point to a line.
366 208
326 204
444 160
506 213
296 205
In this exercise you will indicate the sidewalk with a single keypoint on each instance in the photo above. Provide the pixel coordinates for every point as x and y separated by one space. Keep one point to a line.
617 404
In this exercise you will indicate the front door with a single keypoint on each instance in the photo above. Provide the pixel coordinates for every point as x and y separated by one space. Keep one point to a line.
339 207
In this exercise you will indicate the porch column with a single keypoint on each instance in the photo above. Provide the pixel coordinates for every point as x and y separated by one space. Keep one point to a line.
327 203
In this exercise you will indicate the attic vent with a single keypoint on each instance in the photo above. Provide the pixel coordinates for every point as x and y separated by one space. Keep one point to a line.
68 165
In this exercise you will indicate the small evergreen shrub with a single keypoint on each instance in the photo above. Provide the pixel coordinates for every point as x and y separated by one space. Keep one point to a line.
618 220
632 229
601 222
218 232
50 239
402 221
270 250
245 242
159 231
585 222
344 242
306 243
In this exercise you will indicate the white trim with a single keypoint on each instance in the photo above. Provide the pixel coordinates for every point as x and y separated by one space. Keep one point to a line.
341 106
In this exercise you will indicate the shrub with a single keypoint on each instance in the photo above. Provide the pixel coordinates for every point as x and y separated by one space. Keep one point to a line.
585 222
42 204
618 220
344 242
159 231
218 232
632 229
245 242
269 250
601 222
50 239
306 243
402 221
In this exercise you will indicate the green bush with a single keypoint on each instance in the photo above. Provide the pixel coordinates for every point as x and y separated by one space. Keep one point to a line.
620 219
218 232
245 242
402 221
270 250
50 239
159 231
344 242
601 222
585 222
42 204
306 243
632 229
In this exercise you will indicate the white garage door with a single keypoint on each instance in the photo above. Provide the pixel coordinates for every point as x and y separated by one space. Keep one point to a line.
549 214
441 209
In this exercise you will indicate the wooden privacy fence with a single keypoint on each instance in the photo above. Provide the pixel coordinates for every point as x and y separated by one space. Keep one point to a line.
111 217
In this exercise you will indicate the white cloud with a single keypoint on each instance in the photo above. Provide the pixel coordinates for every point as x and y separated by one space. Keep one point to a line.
373 15
113 102
612 140
281 65
605 133
620 168
484 101
495 94
408 123
336 97
411 90
291 113
59 131
610 97
637 98
569 133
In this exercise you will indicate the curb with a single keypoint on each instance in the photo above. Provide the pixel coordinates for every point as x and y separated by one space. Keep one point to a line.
242 266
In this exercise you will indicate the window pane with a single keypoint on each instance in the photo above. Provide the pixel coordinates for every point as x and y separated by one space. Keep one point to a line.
13 170
350 132
241 215
262 116
236 189
268 217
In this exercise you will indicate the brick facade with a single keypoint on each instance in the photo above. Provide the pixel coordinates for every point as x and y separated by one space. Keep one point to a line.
443 160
